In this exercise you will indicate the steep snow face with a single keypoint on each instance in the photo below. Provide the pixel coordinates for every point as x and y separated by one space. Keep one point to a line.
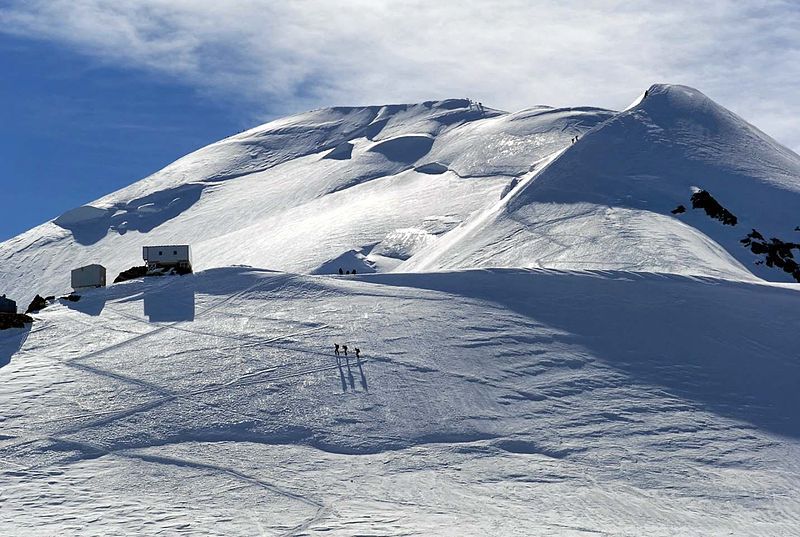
510 144
606 201
298 193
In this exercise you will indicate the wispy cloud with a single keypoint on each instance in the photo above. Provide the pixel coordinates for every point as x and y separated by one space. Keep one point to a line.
280 57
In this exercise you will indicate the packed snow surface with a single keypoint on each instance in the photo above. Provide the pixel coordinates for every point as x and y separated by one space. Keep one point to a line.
549 344
524 402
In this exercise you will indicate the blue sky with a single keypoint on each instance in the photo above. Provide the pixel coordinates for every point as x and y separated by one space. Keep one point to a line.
73 131
98 94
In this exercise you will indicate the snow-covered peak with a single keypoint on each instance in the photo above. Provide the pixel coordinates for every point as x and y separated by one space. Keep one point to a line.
582 188
607 201
612 396
299 192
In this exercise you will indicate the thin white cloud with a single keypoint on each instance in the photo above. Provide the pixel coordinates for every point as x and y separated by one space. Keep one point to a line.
281 57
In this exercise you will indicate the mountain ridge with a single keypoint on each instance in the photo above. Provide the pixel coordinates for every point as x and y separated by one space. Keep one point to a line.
261 197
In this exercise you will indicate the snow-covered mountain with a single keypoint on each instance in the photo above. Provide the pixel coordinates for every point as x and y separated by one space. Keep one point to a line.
606 202
298 192
548 344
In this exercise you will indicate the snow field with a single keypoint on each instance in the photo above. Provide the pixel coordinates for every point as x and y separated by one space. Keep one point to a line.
510 401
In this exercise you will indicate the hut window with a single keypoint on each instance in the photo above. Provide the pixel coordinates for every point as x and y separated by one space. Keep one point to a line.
160 252
174 252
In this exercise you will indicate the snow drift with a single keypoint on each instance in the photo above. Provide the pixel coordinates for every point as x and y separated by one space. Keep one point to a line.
556 337
606 202
213 404
300 191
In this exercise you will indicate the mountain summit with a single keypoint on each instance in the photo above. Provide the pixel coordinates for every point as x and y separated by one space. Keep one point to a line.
418 187
608 201
563 321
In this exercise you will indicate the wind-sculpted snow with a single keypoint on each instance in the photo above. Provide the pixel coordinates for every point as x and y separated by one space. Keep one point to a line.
407 149
647 387
511 143
605 202
509 401
89 224
299 191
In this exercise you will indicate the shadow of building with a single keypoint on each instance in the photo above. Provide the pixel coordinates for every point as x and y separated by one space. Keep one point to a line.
169 304
11 342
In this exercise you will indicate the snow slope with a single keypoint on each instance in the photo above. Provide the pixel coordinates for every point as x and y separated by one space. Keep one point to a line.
512 402
546 348
298 192
606 201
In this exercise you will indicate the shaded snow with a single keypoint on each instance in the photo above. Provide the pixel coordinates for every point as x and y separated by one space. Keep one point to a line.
305 188
625 370
505 401
605 202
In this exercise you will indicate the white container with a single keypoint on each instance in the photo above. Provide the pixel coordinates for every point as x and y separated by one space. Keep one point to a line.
179 255
89 276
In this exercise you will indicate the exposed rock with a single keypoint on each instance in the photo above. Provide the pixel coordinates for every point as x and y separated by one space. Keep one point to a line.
679 209
141 272
703 200
509 187
71 297
38 303
777 253
131 273
14 320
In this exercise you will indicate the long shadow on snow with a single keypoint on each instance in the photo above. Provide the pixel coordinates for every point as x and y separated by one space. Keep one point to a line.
730 347
11 342
90 224
92 302
174 304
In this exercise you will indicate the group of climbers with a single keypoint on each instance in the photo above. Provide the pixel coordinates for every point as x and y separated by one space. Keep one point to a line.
336 348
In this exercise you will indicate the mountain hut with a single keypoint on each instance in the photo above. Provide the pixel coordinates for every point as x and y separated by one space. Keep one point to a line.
168 256
89 276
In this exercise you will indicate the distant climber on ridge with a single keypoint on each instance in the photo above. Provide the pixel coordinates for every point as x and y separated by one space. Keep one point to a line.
336 349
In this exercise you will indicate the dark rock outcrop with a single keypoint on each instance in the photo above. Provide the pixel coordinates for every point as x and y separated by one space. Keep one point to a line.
38 303
703 200
181 270
131 273
777 253
141 272
678 210
14 320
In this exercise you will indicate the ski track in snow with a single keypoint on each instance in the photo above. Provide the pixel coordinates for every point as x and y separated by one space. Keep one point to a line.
250 378
476 395
589 364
